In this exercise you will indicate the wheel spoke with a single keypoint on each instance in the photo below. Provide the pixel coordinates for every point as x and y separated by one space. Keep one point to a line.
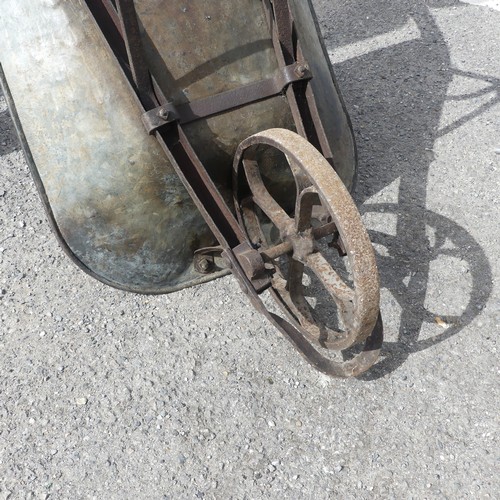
251 222
316 330
306 200
343 295
263 198
296 292
330 279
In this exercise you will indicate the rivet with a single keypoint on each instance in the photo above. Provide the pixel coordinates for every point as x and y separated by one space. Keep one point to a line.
301 69
204 265
163 113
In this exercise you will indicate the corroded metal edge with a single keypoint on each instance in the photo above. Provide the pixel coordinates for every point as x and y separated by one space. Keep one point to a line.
52 221
303 10
339 92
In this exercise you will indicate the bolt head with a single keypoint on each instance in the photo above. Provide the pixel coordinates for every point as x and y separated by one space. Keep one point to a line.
163 113
204 264
301 69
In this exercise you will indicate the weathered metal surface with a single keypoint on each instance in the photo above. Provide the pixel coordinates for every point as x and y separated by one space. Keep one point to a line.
200 49
117 204
116 201
358 305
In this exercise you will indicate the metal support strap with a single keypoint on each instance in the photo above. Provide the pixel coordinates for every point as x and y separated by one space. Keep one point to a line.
284 26
202 108
135 52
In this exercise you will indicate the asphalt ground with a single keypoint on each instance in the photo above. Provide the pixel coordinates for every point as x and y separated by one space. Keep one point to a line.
105 394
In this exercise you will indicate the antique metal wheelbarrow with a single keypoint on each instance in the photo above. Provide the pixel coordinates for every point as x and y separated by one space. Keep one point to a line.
173 142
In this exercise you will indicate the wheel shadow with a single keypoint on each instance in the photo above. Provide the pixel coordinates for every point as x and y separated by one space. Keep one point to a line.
395 96
408 270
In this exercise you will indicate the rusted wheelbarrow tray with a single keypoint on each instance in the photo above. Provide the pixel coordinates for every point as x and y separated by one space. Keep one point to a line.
135 119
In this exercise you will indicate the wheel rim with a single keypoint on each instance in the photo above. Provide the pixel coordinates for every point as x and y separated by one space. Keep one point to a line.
317 185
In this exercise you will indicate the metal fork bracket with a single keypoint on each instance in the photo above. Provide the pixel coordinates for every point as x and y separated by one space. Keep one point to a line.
119 22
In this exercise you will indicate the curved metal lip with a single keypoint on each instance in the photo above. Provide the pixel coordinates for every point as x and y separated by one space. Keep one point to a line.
341 97
55 228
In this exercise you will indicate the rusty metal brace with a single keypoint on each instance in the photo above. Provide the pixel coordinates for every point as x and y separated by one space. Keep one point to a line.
225 101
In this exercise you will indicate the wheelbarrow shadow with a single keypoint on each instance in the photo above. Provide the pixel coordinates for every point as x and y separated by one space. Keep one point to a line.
9 142
395 91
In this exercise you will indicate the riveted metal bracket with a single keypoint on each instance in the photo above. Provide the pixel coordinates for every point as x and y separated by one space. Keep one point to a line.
225 101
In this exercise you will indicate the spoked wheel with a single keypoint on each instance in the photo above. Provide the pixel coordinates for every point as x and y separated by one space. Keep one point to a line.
291 241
